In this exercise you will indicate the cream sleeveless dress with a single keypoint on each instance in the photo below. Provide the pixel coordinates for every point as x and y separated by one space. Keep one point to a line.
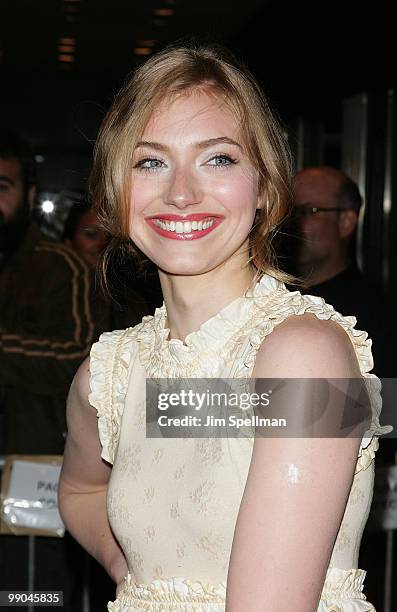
173 503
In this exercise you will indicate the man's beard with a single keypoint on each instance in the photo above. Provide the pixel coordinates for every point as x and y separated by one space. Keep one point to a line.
12 231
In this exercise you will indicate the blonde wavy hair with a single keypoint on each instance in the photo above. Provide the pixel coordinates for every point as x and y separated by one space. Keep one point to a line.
175 71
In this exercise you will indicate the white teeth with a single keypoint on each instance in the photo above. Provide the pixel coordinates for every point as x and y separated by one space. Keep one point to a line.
184 227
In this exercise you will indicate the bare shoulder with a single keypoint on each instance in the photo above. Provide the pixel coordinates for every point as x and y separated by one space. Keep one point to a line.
80 387
306 346
81 416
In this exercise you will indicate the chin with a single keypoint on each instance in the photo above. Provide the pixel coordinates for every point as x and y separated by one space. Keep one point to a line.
185 266
182 270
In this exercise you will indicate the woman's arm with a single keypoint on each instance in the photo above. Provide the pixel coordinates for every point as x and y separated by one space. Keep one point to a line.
84 481
297 488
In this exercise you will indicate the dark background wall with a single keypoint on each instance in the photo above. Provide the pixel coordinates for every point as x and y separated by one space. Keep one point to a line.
61 62
308 56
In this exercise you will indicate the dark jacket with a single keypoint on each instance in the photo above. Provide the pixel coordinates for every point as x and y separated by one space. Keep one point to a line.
350 294
46 330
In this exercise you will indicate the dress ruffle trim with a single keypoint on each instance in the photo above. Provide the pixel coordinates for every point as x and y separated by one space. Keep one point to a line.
342 592
277 307
168 595
213 343
110 359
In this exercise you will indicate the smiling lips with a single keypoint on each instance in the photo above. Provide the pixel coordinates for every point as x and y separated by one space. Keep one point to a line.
189 227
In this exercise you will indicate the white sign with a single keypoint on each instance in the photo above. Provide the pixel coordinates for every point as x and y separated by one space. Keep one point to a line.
32 497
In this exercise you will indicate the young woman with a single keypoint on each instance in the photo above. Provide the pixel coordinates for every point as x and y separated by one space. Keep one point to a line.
83 233
192 170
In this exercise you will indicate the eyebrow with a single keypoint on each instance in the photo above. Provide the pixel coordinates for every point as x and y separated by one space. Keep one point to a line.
6 179
204 144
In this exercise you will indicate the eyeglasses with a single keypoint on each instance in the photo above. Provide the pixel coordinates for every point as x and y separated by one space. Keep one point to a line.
304 210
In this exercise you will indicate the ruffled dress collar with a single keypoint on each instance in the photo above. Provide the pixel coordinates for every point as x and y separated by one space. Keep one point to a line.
163 357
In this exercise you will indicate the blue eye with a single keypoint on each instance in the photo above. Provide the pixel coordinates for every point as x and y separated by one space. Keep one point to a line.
221 160
149 164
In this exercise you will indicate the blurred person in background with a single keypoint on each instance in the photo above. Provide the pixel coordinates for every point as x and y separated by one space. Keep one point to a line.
84 233
327 206
46 330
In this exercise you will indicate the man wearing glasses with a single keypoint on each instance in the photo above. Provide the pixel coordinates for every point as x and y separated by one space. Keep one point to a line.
327 205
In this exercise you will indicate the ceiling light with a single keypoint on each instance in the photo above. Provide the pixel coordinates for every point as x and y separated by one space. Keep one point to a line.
142 50
66 49
65 58
163 12
47 206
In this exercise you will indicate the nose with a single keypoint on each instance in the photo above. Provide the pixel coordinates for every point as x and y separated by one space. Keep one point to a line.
183 189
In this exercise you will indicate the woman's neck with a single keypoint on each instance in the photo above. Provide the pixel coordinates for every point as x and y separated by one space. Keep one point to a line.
192 300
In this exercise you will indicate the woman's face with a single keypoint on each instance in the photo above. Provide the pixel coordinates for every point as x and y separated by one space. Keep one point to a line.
194 190
89 239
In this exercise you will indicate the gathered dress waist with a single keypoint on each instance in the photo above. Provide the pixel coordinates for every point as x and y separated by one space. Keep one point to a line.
342 592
